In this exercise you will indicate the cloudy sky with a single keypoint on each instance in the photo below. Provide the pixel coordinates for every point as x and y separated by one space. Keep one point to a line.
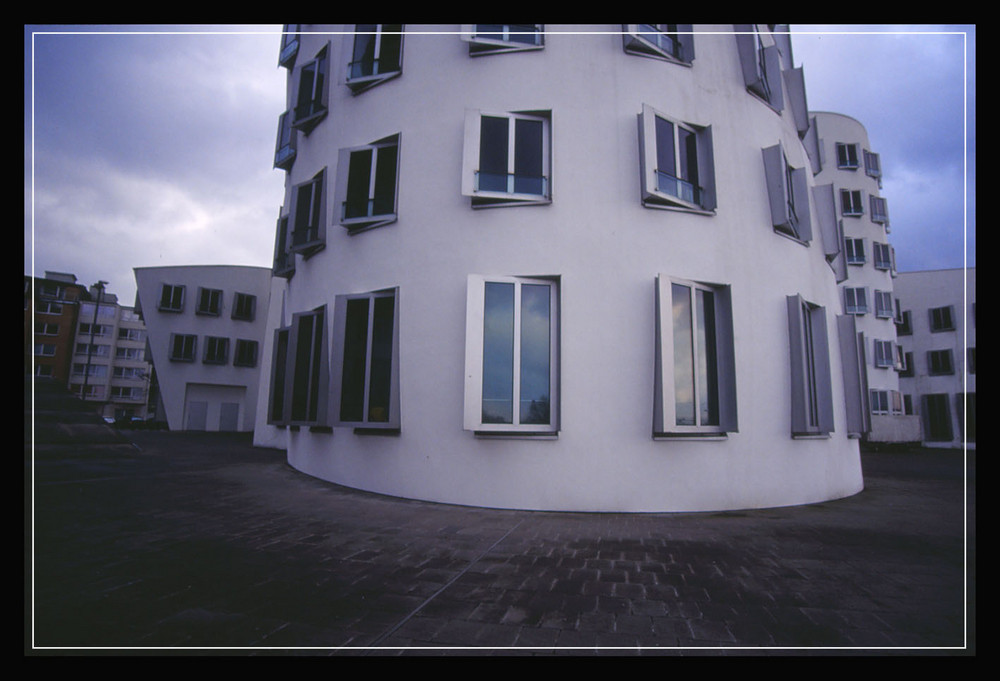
148 146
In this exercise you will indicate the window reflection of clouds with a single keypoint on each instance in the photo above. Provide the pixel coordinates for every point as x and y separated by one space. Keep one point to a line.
535 358
498 353
683 355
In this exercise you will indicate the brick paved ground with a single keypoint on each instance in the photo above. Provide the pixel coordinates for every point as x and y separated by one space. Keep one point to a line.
201 541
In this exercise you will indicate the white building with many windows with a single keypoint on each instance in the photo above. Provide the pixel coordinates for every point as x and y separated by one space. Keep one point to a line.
206 325
558 268
937 336
849 176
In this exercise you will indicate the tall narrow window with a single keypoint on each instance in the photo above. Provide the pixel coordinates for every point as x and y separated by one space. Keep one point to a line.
285 145
787 190
879 209
676 162
284 260
884 356
811 389
873 165
936 417
377 55
365 376
312 93
507 158
511 357
761 62
695 378
289 45
668 42
367 184
494 38
308 215
276 413
308 372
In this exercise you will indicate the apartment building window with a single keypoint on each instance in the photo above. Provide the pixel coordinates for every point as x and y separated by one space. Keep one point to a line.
879 208
129 353
856 300
286 146
216 350
299 375
244 306
879 401
873 164
850 203
936 417
94 371
669 42
365 373
94 350
377 55
312 92
908 405
904 325
761 64
48 307
43 370
788 194
209 302
90 391
906 369
245 353
135 335
883 256
129 372
95 330
847 156
171 298
495 38
308 215
940 363
884 354
47 289
507 158
855 251
676 163
125 393
367 184
289 45
811 391
45 329
883 304
182 347
45 350
942 319
284 260
512 363
694 383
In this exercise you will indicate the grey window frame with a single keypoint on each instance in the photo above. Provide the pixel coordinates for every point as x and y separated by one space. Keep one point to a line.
244 307
216 350
342 190
760 59
209 302
484 198
884 354
312 95
941 319
188 349
883 304
286 145
485 42
811 384
307 379
652 195
245 353
847 155
678 48
873 164
788 195
284 258
289 45
359 83
307 216
879 209
855 250
176 298
338 375
851 205
851 304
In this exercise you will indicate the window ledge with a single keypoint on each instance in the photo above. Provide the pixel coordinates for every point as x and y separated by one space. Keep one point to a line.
647 203
513 435
368 430
811 436
691 437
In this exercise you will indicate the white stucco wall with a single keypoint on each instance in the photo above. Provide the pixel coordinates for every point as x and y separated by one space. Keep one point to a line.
606 249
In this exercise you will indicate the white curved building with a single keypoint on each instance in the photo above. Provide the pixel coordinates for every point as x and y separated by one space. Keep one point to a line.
556 269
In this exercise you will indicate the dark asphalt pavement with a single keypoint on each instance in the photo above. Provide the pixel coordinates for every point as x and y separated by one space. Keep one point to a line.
180 543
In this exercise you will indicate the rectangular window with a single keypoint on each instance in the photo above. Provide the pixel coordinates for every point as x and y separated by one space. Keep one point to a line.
507 158
136 335
43 370
873 165
847 156
855 300
942 319
937 417
695 391
761 64
129 353
244 306
307 372
209 302
129 372
47 329
377 55
312 92
182 347
48 307
308 215
45 350
812 402
95 370
940 363
879 401
93 350
883 304
879 208
904 327
289 45
970 355
284 260
512 366
884 355
365 375
245 354
494 38
675 162
216 350
276 413
883 256
171 298
285 147
669 42
855 251
850 203
906 365
788 194
95 330
367 184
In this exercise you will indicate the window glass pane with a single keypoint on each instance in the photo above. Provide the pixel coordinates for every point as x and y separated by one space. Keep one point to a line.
364 51
355 355
494 135
278 380
385 181
665 147
358 181
381 371
390 50
498 353
535 353
708 383
683 355
688 155
528 157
